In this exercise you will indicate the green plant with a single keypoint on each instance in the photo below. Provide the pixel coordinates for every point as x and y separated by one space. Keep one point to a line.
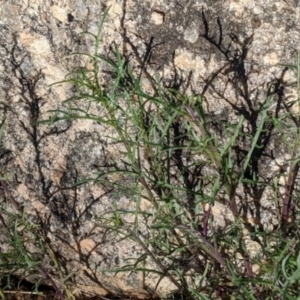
25 255
17 259
173 158
26 245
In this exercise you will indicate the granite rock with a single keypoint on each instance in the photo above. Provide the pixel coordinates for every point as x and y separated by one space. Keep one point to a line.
194 39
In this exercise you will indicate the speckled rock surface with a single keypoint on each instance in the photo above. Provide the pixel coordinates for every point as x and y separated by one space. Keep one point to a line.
209 45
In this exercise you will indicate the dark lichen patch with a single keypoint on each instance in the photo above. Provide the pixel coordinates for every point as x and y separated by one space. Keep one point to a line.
179 23
70 17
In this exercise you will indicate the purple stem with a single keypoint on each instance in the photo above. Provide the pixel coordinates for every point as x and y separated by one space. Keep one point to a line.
205 222
44 272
